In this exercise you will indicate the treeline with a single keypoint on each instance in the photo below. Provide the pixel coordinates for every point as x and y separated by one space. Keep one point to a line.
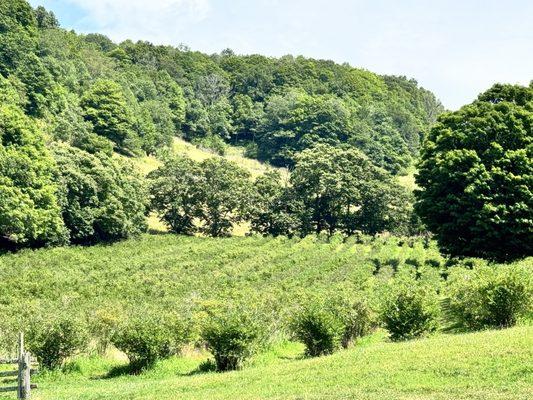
134 97
69 103
330 190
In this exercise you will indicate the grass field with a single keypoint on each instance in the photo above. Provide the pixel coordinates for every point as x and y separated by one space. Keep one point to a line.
491 365
175 271
184 274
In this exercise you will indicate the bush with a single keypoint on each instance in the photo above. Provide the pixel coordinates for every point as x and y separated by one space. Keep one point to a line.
357 317
319 328
103 323
232 338
147 338
212 142
489 297
409 310
52 342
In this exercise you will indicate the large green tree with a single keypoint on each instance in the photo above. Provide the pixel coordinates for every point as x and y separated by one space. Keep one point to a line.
342 190
476 176
105 106
225 193
18 34
102 199
174 193
29 211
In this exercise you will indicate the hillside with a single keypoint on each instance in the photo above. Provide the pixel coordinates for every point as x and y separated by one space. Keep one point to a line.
478 366
233 153
190 275
167 269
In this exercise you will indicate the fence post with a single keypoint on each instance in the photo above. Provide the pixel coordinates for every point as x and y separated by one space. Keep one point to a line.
20 394
26 382
24 364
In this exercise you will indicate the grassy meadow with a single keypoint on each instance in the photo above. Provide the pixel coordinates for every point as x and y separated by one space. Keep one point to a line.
192 274
489 365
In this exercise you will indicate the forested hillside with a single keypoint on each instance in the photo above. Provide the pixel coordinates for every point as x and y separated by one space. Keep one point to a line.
69 103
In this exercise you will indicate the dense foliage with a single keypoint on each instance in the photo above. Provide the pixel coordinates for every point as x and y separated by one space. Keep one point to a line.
29 209
233 336
490 298
134 98
330 190
101 199
147 337
476 175
209 197
53 339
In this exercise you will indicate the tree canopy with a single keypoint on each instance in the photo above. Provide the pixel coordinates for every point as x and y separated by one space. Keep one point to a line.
476 175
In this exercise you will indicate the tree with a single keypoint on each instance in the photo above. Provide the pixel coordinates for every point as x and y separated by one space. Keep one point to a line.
39 85
45 19
274 208
341 190
476 176
215 193
225 194
101 199
18 32
29 210
298 121
174 193
105 106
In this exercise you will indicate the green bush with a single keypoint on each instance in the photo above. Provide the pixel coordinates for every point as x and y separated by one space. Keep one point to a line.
489 297
319 328
409 310
148 337
358 319
53 341
232 337
103 323
214 143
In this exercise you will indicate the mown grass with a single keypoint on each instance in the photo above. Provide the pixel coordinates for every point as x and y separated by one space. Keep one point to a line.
485 365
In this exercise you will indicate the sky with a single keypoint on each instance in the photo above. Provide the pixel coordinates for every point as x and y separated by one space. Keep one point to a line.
455 48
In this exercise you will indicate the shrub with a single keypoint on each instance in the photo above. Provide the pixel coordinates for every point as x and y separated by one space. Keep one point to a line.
319 328
489 297
149 337
357 317
214 143
232 337
103 323
52 342
409 310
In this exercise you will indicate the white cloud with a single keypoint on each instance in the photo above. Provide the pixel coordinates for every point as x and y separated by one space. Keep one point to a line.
161 21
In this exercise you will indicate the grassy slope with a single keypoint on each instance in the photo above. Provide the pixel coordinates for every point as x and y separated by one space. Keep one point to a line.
168 268
487 365
171 271
235 154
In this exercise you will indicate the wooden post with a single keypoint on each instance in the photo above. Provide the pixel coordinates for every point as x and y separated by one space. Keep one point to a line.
20 391
24 384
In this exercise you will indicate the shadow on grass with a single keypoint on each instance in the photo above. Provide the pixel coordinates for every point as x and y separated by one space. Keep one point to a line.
205 367
120 370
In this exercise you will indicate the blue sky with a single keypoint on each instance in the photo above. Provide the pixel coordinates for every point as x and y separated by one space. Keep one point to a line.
455 48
